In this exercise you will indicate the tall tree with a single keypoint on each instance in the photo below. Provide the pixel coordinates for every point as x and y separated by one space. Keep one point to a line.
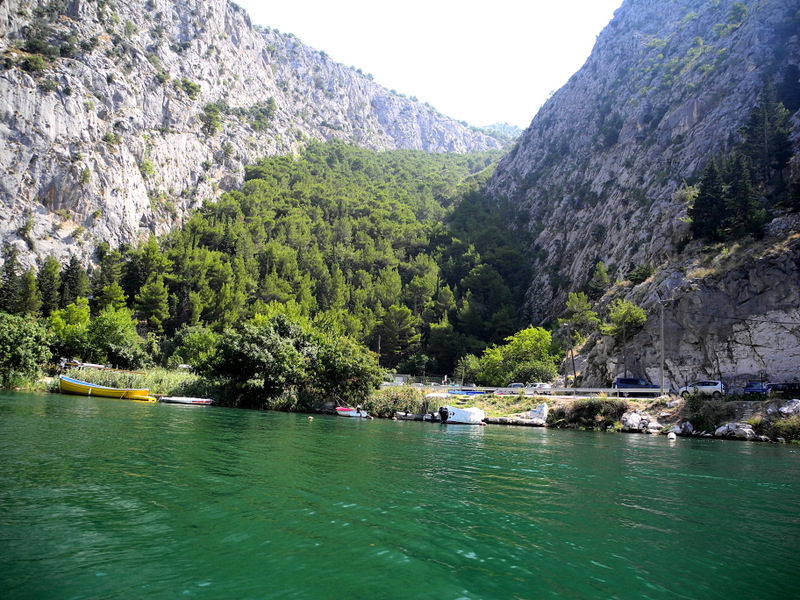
399 335
709 210
580 316
765 135
30 299
599 282
24 345
49 282
745 214
152 303
10 279
74 282
112 295
109 269
625 319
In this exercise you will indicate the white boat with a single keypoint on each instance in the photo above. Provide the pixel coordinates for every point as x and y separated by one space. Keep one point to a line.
464 416
185 400
346 411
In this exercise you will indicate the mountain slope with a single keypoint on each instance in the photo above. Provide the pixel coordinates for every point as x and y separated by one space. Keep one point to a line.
602 172
119 117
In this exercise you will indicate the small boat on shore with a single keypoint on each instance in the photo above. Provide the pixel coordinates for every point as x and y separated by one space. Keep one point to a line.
408 416
185 400
346 411
462 416
68 385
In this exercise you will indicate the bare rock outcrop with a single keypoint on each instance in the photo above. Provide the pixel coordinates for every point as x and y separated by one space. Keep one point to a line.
128 114
602 169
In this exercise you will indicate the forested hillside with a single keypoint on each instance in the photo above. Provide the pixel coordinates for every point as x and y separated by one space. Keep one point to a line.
400 249
121 116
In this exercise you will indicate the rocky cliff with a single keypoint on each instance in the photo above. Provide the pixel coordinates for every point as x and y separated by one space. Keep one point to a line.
600 170
118 117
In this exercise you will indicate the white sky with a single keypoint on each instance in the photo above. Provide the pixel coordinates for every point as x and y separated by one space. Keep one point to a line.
480 62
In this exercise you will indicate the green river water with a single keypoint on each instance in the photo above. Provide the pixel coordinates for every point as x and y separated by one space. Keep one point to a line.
117 499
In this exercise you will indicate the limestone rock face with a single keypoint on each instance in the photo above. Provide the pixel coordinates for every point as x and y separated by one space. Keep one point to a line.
600 172
117 138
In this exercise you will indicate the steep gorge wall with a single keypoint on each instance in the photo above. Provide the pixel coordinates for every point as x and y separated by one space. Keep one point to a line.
667 87
108 144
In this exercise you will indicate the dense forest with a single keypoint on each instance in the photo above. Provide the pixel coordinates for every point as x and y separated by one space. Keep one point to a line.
398 251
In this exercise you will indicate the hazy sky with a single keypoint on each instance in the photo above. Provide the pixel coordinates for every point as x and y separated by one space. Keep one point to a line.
483 63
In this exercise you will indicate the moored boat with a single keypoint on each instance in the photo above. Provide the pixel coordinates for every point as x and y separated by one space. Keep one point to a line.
68 385
408 416
185 400
346 411
463 416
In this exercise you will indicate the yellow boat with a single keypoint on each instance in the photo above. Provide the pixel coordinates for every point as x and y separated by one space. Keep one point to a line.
83 388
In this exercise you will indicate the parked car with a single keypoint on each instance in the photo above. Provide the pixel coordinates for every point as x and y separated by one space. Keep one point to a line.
634 383
756 388
709 387
539 388
784 390
516 385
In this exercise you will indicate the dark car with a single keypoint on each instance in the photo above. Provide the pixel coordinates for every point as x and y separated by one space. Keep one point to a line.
784 390
634 383
757 388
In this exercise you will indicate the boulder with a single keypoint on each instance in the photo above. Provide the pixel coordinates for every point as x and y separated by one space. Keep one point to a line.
633 421
745 433
682 429
654 427
726 430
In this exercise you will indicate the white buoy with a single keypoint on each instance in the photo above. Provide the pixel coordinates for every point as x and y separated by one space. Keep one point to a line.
310 418
671 436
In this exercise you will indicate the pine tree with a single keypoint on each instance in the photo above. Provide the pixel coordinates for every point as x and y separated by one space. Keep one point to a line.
10 279
109 269
112 295
745 215
49 283
765 136
599 282
74 282
580 317
709 210
152 303
30 299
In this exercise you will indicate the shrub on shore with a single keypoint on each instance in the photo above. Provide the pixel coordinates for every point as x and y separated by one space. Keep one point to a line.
593 413
707 413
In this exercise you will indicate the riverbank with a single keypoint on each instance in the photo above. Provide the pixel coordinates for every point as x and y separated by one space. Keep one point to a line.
696 416
766 420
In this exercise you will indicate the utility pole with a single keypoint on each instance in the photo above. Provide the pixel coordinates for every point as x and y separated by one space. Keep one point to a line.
572 355
662 349
624 353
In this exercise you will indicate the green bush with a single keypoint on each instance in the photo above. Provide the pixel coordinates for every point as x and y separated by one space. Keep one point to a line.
706 413
593 413
24 345
385 402
33 64
788 429
192 89
146 168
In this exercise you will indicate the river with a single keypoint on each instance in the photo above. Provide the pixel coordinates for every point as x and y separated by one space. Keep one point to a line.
108 498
